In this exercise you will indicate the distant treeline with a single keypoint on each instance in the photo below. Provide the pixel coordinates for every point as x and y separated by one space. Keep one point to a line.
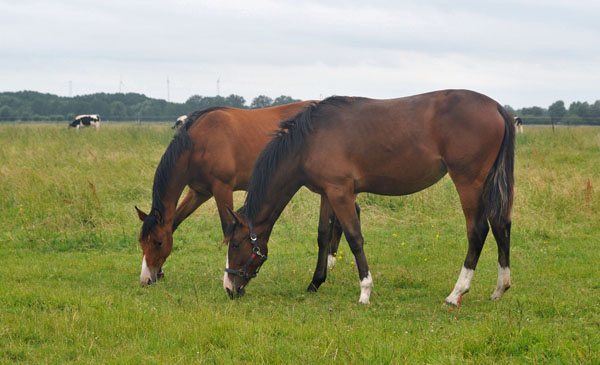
35 106
577 113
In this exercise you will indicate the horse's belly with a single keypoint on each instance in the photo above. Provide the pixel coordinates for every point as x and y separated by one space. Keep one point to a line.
401 183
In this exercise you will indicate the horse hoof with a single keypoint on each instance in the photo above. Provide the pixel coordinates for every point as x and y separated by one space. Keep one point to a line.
452 301
312 288
497 294
447 302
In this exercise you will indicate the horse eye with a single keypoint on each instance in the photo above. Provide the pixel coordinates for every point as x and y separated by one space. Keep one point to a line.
158 243
235 244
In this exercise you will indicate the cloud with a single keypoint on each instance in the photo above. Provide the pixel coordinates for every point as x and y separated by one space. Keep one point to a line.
522 53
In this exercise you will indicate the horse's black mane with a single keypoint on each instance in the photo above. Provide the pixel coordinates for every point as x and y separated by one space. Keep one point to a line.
181 142
287 139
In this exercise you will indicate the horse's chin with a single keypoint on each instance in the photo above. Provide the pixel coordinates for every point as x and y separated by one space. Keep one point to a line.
237 294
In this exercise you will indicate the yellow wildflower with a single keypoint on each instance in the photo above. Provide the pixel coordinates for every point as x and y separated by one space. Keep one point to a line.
395 235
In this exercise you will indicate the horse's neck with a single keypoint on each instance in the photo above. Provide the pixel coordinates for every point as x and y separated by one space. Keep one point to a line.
172 194
284 185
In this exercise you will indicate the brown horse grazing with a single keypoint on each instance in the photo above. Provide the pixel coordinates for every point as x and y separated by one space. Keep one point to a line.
212 153
343 146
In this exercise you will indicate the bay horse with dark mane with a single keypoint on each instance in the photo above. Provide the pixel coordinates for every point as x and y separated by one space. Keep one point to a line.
343 146
213 153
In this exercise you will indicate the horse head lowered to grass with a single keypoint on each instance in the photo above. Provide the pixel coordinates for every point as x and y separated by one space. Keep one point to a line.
343 146
212 153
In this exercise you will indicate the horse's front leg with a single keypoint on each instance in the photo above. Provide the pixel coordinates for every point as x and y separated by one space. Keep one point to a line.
336 235
188 205
223 193
324 239
342 200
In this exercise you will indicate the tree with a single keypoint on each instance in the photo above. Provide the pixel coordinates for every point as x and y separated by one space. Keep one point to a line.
7 113
557 112
197 102
261 101
595 112
118 110
98 106
284 99
194 102
235 101
580 109
573 119
510 109
149 110
535 111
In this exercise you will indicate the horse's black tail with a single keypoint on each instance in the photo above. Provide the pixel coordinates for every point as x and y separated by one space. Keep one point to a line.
498 187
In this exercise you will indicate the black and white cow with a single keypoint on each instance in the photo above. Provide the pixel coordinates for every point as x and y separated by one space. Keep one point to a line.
519 125
86 120
179 122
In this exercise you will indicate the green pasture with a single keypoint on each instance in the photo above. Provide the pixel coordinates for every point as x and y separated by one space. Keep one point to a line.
70 264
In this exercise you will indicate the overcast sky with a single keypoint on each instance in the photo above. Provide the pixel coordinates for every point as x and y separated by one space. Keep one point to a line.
521 53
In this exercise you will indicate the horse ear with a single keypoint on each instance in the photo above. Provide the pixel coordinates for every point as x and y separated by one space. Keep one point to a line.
141 214
234 218
232 221
158 216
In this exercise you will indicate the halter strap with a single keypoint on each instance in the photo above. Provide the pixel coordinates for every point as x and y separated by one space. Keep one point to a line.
255 252
252 234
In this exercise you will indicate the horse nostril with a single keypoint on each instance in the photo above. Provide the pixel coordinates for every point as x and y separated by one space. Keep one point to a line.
149 282
230 293
241 292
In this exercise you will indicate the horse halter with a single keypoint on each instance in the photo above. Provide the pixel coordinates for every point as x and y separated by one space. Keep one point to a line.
255 252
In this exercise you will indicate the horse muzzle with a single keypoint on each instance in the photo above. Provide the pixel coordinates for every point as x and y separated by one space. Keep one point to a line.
238 293
152 279
149 275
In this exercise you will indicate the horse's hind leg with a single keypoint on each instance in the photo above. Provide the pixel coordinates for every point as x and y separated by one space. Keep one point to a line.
477 230
336 235
324 238
501 233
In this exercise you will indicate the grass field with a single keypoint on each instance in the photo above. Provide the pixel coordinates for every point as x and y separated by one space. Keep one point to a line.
69 275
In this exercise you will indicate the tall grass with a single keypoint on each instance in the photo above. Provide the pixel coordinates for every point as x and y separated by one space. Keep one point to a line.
69 288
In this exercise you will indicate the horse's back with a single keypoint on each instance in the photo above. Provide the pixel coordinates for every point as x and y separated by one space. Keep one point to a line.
400 146
228 140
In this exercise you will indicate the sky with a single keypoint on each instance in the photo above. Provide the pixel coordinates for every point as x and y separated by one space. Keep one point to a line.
521 53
